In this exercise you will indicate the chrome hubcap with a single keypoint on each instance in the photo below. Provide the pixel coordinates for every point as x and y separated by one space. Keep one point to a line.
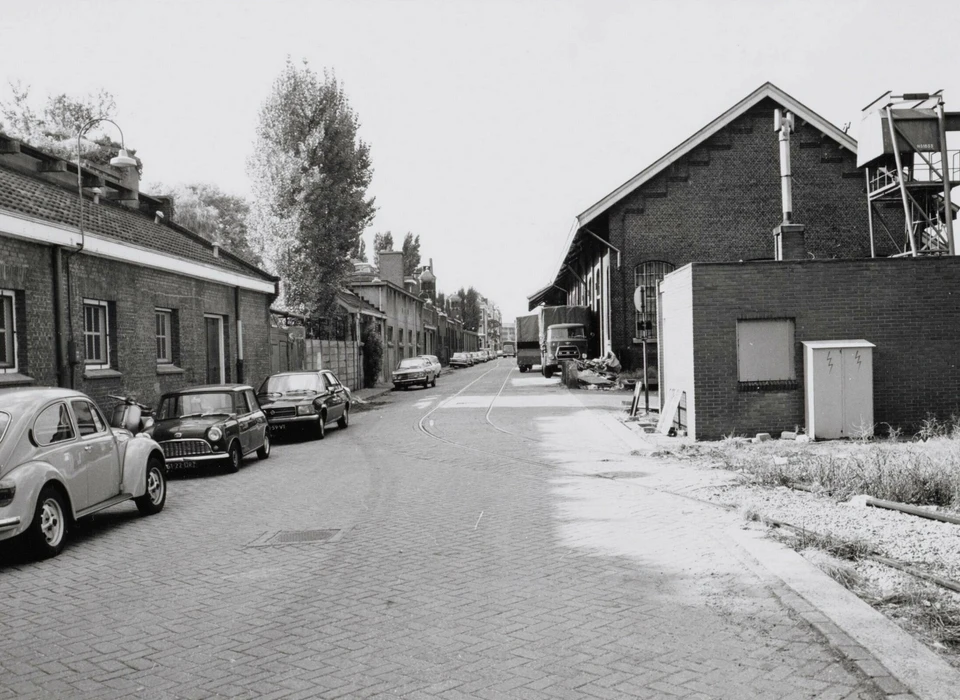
51 522
155 486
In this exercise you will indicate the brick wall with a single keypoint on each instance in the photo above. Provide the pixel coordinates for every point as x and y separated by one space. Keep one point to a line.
721 202
132 293
908 307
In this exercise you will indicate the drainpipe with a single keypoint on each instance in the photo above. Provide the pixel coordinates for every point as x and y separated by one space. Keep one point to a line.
236 311
60 352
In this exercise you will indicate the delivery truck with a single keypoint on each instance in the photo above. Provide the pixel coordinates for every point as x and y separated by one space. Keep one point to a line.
551 335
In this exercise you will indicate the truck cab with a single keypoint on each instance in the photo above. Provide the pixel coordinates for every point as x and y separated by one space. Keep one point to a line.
564 341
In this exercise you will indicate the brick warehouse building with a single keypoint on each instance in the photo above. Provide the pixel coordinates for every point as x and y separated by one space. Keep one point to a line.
906 307
714 198
130 304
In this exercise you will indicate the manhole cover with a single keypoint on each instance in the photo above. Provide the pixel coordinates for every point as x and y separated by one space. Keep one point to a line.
272 539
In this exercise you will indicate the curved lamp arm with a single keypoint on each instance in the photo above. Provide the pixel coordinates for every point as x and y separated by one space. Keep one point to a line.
121 160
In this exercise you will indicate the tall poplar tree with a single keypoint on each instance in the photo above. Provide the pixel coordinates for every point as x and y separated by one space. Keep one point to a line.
310 173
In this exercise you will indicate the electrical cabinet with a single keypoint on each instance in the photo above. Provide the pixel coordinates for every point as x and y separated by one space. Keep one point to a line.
838 388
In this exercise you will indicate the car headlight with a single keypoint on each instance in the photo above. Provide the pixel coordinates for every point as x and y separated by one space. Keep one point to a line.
306 410
214 434
8 490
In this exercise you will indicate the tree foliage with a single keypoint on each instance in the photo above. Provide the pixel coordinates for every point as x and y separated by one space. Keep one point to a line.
53 126
310 173
360 251
372 353
411 254
217 216
381 241
471 309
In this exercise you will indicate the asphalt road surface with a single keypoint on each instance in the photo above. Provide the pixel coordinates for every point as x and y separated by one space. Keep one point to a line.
453 542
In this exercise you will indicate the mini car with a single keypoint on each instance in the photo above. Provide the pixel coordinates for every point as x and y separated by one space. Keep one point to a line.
434 361
310 400
460 359
61 461
218 423
414 370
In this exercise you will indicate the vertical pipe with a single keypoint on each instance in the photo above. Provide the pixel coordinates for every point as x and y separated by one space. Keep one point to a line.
236 311
908 220
873 250
60 352
945 167
786 174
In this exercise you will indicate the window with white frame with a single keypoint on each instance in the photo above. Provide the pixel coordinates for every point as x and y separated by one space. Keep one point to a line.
646 275
96 333
8 332
164 336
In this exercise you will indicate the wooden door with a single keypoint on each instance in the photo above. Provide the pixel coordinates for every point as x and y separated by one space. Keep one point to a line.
214 333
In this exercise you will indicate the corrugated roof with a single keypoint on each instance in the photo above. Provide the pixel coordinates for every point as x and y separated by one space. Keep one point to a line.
39 199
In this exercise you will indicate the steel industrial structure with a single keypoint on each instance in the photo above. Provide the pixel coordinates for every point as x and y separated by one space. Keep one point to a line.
903 147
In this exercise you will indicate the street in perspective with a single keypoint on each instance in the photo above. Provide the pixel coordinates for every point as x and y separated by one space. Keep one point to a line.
479 350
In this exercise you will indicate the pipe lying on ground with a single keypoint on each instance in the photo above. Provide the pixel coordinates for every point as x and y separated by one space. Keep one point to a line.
912 510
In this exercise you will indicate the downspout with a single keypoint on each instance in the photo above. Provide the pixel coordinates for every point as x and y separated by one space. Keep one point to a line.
625 298
236 311
60 352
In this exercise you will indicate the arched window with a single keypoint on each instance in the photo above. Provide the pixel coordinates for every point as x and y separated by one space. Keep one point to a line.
645 276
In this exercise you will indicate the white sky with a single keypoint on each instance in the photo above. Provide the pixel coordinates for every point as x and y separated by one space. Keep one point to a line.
492 124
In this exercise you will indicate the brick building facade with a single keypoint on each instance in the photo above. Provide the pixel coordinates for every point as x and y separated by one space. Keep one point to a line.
128 304
907 307
716 197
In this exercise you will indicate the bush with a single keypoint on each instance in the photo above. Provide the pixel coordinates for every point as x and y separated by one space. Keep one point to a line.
372 355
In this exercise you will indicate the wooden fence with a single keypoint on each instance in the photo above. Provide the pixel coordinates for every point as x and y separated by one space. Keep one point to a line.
342 357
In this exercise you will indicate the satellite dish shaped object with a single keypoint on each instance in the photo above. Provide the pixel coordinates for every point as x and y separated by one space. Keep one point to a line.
638 298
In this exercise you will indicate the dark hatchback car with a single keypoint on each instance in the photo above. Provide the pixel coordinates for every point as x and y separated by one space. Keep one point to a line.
308 400
215 423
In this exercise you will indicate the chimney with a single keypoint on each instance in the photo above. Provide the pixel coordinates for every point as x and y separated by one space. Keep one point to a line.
788 237
130 187
391 267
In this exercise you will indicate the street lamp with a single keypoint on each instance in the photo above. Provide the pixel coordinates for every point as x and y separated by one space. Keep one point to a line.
121 160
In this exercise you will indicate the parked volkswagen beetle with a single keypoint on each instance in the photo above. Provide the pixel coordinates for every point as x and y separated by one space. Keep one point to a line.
218 423
61 461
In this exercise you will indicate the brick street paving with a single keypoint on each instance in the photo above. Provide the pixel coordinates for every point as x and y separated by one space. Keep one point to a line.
477 555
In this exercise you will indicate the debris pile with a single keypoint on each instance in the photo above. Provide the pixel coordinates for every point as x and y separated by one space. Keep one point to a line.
601 373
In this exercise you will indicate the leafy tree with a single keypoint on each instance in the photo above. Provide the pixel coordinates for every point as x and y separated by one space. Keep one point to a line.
53 127
442 301
217 216
411 254
471 309
310 172
381 241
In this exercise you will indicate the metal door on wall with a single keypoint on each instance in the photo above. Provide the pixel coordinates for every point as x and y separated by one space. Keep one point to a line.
215 360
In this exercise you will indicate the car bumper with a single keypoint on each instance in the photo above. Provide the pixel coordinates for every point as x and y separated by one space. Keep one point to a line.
286 420
404 381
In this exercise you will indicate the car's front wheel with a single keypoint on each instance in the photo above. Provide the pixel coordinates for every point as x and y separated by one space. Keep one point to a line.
264 450
234 458
48 531
156 494
321 429
344 420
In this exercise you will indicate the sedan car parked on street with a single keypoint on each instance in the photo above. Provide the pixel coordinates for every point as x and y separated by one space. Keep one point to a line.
460 359
218 423
434 361
412 371
309 399
61 461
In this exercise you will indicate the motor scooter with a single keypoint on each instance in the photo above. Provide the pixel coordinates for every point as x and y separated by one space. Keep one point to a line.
131 415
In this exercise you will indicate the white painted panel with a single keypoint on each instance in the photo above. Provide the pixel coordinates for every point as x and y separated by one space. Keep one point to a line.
857 391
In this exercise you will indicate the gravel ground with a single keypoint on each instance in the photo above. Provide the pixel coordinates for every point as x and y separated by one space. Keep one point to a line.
931 546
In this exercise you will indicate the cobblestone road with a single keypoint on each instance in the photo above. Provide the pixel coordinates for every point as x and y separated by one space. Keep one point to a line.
477 555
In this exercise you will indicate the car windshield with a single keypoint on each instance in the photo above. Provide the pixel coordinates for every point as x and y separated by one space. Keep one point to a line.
4 422
200 404
410 362
291 385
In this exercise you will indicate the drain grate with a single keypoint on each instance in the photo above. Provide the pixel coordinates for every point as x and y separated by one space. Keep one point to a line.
273 539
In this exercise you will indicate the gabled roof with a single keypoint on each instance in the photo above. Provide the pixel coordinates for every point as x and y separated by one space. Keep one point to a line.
764 91
356 303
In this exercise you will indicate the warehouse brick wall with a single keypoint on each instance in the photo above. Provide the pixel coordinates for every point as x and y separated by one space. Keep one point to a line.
721 202
27 270
908 307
